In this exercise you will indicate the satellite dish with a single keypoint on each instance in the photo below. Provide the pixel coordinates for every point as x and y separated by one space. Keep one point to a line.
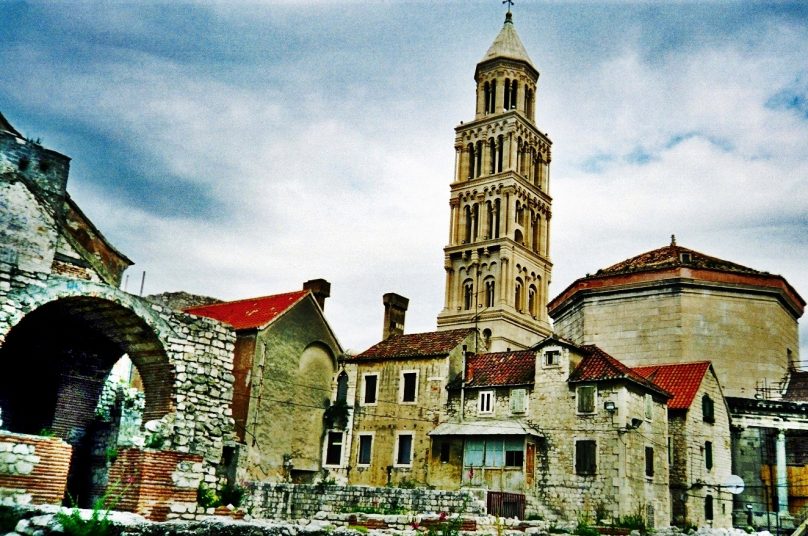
734 484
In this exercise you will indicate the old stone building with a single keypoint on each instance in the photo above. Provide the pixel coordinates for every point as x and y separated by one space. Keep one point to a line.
286 356
64 324
398 395
700 449
497 261
674 304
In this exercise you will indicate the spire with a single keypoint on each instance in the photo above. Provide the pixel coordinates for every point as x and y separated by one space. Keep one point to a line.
507 44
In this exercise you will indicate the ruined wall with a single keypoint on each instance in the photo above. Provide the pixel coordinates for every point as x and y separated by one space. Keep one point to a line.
293 501
33 469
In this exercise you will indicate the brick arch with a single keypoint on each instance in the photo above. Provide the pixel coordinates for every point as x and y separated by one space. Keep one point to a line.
120 323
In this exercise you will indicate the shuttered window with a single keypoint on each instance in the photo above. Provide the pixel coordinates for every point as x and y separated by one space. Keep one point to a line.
518 399
586 398
586 457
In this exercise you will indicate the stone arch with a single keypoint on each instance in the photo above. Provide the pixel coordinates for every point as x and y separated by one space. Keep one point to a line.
115 322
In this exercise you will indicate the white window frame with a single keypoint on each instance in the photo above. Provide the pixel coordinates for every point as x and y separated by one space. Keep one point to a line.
594 398
544 356
491 397
401 386
359 436
526 400
341 448
396 445
364 386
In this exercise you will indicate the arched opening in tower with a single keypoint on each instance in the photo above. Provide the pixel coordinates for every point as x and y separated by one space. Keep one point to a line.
55 362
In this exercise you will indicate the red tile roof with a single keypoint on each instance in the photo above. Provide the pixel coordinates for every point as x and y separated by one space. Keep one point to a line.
671 256
682 380
430 344
251 313
501 368
597 365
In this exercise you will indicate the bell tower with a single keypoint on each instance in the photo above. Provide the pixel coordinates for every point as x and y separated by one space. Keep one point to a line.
497 260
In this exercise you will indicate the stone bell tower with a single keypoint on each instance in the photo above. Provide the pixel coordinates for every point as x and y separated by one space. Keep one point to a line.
497 260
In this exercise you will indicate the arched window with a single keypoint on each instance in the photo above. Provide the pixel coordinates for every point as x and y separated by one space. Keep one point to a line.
479 159
468 294
500 144
489 219
517 215
487 97
467 212
342 387
532 300
475 217
517 236
518 297
496 219
492 156
507 94
518 153
493 105
471 158
513 94
490 287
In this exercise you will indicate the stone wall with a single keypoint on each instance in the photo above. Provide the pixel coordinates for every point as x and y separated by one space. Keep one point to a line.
33 469
293 501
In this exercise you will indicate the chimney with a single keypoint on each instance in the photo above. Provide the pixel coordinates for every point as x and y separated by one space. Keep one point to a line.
395 309
320 288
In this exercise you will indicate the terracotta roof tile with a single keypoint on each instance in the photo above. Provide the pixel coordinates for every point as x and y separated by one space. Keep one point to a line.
251 313
682 380
430 344
672 256
501 368
597 365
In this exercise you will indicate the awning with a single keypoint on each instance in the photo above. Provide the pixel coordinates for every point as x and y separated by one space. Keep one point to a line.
483 428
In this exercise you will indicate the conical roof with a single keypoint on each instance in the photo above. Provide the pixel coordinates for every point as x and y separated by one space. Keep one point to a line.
507 45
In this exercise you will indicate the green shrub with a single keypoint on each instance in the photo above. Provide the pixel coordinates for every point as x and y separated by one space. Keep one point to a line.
231 494
206 497
98 524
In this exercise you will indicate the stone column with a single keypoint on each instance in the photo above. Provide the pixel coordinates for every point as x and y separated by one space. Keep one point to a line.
782 475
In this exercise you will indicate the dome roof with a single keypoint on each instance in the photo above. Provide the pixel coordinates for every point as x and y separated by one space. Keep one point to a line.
507 45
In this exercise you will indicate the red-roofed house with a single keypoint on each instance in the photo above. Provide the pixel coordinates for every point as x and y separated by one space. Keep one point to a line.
284 368
557 430
397 389
700 443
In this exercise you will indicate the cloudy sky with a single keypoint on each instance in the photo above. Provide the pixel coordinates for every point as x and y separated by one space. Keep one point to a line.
238 149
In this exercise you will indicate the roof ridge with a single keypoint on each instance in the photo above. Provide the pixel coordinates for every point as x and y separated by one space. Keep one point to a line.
242 300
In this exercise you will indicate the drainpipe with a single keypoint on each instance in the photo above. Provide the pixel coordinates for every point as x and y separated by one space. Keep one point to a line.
782 475
463 385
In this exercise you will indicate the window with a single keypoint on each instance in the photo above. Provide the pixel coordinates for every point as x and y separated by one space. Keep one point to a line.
586 398
342 387
486 402
404 450
708 455
333 451
585 457
489 292
708 508
708 409
649 407
552 358
518 400
493 452
444 451
409 387
369 385
649 461
468 294
365 449
514 453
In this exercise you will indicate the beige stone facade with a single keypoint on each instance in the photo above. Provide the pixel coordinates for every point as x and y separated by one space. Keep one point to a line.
497 260
744 322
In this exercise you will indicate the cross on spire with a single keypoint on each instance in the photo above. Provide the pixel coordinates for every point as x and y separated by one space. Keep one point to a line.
510 3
